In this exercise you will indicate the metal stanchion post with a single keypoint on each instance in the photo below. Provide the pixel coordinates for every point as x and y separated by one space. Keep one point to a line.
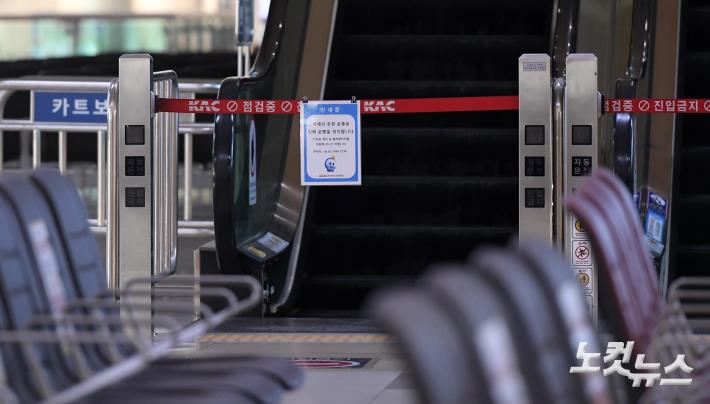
62 140
101 178
535 147
112 140
581 154
36 148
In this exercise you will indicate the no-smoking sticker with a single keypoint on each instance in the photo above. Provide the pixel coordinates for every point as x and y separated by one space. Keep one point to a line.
581 253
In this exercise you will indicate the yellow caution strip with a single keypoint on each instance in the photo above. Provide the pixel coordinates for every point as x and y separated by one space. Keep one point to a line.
297 338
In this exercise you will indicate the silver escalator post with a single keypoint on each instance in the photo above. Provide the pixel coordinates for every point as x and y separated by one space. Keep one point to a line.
135 173
158 172
581 150
187 165
101 178
558 101
112 139
535 187
172 163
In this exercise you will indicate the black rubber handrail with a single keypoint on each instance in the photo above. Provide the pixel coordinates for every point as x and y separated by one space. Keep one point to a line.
223 143
563 40
624 124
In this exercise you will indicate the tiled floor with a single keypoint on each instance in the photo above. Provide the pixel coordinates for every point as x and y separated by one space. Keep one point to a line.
380 381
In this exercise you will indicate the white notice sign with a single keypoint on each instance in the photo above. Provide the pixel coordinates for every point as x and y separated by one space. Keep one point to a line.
330 143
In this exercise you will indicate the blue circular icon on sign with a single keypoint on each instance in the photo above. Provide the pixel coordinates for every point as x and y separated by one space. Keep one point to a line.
330 164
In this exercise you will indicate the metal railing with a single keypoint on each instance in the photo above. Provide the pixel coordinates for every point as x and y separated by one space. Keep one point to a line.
36 129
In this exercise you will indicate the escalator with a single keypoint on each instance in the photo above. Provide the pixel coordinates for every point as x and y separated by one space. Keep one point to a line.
434 185
691 202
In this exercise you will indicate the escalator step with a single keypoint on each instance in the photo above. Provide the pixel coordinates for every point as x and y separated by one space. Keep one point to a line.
693 219
694 260
457 17
695 130
356 281
458 120
418 151
696 64
446 201
394 250
345 89
340 291
695 161
464 57
698 29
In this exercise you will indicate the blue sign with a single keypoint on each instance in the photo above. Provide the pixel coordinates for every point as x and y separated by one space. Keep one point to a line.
60 107
330 143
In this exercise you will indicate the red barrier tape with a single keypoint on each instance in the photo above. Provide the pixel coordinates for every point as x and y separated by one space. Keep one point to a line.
423 105
658 105
392 106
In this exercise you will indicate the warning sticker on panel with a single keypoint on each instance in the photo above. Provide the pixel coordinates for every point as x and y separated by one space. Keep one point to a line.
578 231
581 253
584 278
256 252
534 66
273 242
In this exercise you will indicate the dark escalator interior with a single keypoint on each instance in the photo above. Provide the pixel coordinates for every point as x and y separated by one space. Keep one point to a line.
434 185
692 197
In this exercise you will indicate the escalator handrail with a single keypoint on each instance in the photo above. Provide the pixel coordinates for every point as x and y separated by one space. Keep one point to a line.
624 134
563 40
640 38
223 143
